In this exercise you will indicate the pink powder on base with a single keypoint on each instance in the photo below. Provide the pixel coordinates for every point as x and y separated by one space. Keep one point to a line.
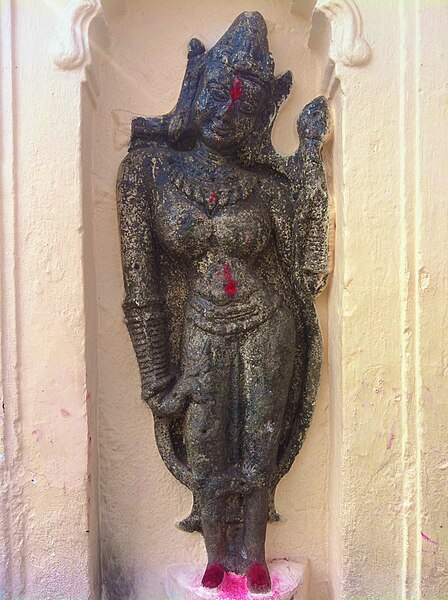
277 588
233 587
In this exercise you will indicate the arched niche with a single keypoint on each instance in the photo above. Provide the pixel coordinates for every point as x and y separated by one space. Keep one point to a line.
133 56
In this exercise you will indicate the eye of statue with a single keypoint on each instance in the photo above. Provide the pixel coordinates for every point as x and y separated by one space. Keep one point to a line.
218 93
248 107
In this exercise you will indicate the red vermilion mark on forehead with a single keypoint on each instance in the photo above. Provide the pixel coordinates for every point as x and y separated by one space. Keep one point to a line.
237 89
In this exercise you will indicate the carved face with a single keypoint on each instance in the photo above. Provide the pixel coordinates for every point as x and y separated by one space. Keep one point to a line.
227 108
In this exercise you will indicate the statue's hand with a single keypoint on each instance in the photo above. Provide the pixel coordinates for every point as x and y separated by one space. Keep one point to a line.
192 386
314 282
170 403
314 123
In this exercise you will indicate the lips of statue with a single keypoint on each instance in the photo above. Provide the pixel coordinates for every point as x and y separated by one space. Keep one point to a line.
227 108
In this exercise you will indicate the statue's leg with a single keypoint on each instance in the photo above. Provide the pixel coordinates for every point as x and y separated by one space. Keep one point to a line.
206 444
267 367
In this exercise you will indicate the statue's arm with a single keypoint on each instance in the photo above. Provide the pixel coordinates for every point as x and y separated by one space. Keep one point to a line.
282 213
310 223
143 304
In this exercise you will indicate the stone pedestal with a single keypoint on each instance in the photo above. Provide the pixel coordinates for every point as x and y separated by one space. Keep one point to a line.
289 582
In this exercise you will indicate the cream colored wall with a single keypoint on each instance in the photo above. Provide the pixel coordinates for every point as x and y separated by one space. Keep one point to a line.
47 548
141 73
389 312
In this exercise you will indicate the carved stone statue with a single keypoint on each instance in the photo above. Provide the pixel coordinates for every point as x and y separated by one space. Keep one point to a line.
224 246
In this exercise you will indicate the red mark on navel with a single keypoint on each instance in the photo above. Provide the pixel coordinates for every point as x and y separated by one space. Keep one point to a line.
428 539
65 413
230 288
230 285
236 90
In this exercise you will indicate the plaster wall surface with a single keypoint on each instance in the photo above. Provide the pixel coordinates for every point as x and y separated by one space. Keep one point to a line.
141 70
388 312
47 550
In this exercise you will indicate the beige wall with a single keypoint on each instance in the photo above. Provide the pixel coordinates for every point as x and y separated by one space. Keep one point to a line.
388 312
47 503
366 499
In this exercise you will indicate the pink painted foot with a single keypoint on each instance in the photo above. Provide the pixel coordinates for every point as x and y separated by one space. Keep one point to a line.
258 580
213 576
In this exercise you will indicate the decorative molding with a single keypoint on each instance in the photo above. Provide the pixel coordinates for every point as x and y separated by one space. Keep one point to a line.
348 46
13 550
73 49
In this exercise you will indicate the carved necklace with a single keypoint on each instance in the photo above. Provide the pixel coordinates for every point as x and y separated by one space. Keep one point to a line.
208 187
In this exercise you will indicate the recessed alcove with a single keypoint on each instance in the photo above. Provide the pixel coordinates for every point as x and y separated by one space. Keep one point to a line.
138 60
376 454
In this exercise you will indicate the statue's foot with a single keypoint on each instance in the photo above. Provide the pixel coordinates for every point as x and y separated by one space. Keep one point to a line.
213 576
258 580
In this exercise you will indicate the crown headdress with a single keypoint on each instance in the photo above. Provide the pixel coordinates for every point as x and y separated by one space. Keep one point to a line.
244 47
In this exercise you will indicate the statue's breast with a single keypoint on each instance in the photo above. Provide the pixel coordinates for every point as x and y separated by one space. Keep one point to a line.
188 229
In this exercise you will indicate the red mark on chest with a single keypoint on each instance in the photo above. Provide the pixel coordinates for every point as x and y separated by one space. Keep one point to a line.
212 200
236 90
230 283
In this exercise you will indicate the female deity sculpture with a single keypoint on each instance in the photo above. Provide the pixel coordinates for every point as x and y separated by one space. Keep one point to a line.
224 246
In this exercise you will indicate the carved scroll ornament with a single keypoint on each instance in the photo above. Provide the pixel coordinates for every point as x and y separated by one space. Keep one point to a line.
72 48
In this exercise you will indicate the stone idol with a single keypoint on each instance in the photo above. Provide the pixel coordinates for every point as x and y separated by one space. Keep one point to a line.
224 247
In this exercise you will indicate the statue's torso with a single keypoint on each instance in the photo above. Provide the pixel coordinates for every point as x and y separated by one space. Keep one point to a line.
219 250
217 247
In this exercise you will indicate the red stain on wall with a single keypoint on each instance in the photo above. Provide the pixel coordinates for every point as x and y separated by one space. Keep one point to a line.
391 439
428 539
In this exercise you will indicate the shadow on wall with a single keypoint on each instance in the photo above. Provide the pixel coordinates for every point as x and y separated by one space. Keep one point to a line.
117 582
